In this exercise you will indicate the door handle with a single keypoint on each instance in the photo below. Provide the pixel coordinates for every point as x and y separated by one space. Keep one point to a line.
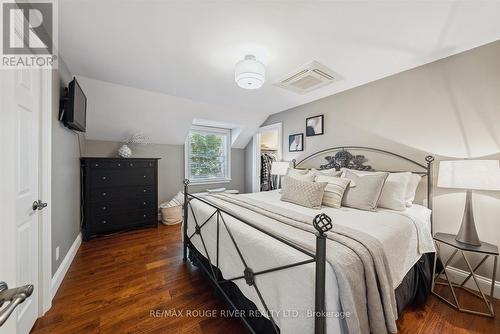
39 205
14 296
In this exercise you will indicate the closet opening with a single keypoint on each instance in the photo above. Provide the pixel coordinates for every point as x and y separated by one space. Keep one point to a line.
267 145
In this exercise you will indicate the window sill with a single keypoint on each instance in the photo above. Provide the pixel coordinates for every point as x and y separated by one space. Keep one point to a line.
202 182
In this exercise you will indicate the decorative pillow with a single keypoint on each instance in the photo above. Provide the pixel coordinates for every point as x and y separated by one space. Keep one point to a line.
366 193
304 193
395 189
334 190
411 189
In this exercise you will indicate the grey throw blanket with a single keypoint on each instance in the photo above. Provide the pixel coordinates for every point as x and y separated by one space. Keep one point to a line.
359 263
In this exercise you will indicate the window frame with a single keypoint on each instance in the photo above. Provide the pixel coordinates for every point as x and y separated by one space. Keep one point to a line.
205 130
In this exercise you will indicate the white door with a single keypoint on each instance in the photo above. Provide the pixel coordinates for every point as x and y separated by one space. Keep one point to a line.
21 107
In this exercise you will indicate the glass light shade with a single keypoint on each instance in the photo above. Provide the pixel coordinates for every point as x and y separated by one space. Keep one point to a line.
279 167
250 73
469 174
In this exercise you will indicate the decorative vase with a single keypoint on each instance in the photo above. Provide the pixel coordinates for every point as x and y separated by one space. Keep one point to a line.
124 151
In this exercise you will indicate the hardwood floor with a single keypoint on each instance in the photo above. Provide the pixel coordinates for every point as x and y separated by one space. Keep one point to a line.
123 283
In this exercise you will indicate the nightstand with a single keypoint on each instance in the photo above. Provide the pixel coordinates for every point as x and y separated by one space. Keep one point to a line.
485 250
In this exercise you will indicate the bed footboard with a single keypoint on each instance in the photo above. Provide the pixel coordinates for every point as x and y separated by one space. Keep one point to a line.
322 224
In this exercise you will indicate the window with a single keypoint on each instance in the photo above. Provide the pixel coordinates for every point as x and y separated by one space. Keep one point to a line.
208 155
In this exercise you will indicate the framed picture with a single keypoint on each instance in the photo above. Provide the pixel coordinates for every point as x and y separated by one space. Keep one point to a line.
296 142
314 126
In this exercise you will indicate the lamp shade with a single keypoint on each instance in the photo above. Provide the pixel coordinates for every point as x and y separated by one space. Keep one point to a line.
250 73
469 174
279 167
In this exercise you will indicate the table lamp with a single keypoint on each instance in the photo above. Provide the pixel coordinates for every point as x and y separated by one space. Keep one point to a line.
279 168
469 175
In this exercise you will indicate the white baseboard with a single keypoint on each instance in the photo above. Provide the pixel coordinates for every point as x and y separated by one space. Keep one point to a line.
458 275
64 266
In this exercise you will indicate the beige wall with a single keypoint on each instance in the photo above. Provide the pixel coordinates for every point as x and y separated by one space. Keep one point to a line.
170 166
65 175
449 108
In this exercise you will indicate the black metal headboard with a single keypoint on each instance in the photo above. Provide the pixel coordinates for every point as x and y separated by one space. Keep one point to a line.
344 158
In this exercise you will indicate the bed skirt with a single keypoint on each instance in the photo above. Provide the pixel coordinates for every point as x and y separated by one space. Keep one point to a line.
413 290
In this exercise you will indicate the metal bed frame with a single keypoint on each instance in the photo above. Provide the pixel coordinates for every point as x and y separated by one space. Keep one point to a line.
322 223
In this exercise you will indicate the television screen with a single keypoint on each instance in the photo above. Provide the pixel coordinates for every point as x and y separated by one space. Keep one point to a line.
75 108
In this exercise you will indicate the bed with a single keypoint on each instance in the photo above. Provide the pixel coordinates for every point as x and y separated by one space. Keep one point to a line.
292 269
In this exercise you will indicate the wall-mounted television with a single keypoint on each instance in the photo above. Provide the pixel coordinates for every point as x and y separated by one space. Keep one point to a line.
74 107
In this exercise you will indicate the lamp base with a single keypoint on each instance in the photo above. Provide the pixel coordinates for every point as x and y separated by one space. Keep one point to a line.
468 233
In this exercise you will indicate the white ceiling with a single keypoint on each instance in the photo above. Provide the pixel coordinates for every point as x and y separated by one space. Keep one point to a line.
188 48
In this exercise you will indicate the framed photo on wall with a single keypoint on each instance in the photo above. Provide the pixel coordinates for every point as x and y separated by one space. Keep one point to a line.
315 126
296 142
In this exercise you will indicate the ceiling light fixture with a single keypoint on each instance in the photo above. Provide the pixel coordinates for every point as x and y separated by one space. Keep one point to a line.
250 73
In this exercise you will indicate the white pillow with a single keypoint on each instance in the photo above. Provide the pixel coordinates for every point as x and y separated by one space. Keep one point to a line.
300 174
326 172
394 192
411 190
294 171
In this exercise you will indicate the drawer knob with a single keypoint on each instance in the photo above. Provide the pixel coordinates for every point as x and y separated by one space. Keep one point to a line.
104 194
119 165
104 177
131 164
144 203
144 216
144 176
97 165
144 190
104 208
104 221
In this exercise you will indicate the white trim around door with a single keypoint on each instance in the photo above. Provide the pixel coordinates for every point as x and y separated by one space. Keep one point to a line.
256 151
45 260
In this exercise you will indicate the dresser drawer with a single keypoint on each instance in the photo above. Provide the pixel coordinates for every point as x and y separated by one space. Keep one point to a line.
107 164
108 223
139 164
127 177
117 207
122 193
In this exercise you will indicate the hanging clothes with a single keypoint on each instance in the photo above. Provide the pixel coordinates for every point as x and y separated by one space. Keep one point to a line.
267 181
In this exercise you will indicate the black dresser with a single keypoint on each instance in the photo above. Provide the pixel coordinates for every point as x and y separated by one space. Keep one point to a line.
118 194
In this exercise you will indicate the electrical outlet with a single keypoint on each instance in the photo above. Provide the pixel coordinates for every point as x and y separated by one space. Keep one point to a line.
57 253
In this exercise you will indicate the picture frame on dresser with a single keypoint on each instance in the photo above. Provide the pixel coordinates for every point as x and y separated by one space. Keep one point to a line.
118 194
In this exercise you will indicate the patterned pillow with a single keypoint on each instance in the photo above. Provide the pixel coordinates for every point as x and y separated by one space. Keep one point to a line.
304 193
334 190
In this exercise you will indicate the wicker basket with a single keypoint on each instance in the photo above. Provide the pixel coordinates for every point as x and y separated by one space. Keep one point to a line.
171 215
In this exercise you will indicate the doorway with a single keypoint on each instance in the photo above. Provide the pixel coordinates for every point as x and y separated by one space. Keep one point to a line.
267 148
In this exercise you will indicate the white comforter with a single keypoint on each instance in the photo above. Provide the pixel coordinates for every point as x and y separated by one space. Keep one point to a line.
289 293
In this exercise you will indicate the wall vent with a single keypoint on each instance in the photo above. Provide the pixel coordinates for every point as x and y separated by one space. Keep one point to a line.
307 78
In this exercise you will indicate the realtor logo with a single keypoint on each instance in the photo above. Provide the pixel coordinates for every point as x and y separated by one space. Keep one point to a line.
29 33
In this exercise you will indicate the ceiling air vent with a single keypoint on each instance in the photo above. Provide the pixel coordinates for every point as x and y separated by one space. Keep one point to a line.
307 78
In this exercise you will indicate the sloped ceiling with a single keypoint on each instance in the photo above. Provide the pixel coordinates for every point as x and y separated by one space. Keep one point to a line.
116 112
166 63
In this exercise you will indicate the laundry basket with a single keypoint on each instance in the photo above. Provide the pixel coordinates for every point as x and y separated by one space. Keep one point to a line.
171 212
